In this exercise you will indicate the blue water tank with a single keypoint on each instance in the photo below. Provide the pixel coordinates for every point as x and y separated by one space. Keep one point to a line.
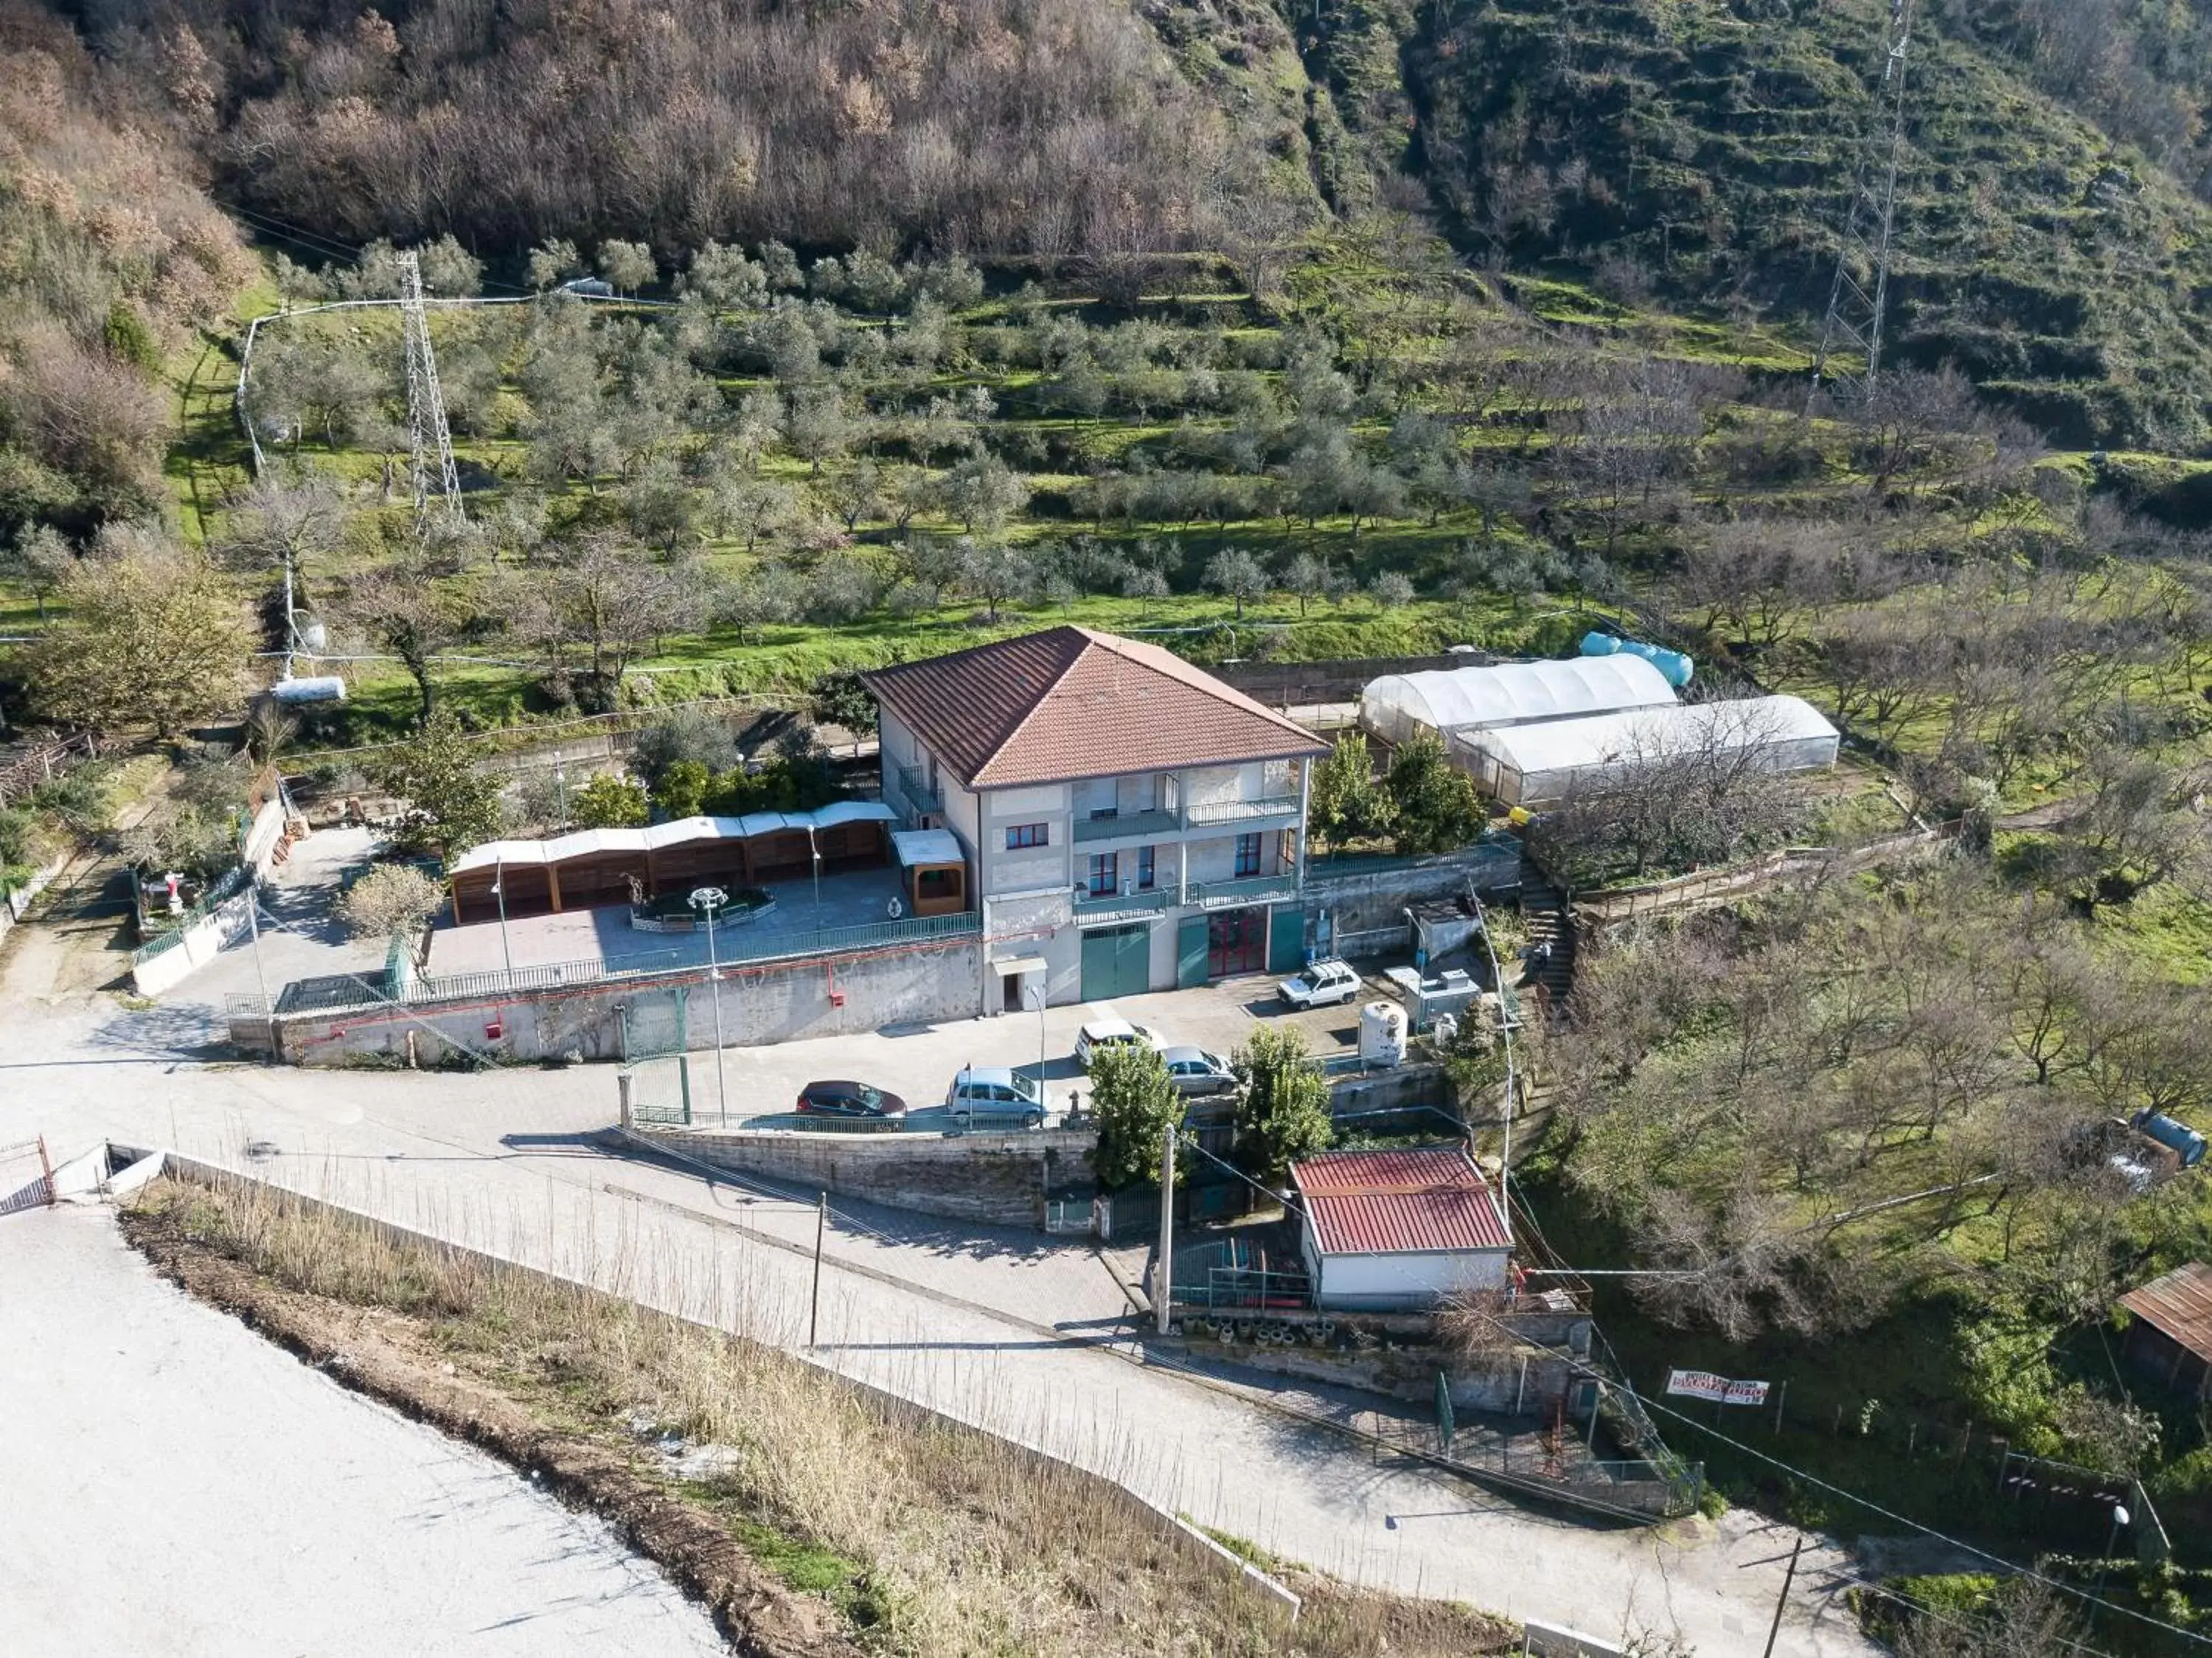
1675 666
2174 1136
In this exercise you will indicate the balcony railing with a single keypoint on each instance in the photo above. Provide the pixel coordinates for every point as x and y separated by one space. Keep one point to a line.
1121 903
1130 825
921 793
1248 889
1243 811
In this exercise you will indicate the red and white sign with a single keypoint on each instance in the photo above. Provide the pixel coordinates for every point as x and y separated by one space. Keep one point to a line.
1704 1384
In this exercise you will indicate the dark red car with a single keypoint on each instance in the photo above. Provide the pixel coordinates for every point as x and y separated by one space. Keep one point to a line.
847 1099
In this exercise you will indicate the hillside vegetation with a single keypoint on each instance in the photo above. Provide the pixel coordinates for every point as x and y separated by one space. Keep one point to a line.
1704 152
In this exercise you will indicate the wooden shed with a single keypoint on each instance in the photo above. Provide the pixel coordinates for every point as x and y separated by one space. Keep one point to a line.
2170 1338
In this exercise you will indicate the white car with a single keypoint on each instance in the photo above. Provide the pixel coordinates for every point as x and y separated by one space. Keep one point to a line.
1322 984
1101 1033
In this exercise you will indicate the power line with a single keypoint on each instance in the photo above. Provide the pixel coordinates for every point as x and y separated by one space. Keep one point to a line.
1872 1507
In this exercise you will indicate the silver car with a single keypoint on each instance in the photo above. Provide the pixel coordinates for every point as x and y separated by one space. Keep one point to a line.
1195 1071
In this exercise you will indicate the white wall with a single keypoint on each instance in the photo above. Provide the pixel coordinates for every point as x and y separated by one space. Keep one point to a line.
1408 1280
1030 868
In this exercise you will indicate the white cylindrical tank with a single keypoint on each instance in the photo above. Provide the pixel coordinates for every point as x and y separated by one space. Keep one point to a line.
1383 1035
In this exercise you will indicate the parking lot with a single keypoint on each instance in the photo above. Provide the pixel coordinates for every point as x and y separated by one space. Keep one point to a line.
918 1062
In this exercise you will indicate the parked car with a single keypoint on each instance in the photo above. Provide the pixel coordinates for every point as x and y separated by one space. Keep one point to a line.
1113 1034
1323 984
992 1091
847 1099
1193 1070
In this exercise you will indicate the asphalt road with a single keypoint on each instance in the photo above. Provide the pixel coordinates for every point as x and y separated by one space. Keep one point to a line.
1019 1334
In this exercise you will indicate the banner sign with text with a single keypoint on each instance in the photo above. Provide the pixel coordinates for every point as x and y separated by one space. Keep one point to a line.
1704 1384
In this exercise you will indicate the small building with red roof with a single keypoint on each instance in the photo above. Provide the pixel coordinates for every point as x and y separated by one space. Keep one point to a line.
1397 1231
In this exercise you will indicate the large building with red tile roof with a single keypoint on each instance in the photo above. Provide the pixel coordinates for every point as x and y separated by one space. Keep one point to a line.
1133 823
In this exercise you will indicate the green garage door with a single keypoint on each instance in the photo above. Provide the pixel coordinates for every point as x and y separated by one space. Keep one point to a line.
1190 952
1117 962
1286 939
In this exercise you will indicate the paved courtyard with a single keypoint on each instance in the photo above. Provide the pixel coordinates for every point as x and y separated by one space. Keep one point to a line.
918 1062
858 898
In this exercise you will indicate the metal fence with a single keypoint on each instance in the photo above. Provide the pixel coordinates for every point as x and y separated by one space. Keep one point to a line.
745 951
173 933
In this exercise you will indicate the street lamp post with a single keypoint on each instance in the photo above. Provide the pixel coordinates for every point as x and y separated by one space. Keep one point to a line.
499 891
1037 990
560 787
814 848
706 901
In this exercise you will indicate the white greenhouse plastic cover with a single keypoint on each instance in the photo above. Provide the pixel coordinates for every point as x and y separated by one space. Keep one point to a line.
1526 763
1509 693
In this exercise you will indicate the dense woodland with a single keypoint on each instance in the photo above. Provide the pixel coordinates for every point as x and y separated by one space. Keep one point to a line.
1333 330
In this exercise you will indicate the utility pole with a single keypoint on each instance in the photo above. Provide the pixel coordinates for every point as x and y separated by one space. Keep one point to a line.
1859 295
814 1312
1163 1285
427 428
1788 1577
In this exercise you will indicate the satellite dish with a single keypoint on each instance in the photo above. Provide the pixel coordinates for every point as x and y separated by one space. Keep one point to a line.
895 909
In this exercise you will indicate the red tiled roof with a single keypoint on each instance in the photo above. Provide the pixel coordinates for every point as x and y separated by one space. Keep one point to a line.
2180 1306
1375 1203
1070 703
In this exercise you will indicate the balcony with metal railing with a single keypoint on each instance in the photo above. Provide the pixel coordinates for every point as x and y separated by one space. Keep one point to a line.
1108 906
920 794
1206 813
1245 889
1127 825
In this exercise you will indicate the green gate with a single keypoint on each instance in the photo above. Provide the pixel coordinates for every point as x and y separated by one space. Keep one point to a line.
1117 962
1190 952
1286 939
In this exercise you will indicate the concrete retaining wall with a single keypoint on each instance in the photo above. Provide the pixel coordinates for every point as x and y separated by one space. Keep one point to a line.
1410 1373
199 944
772 1002
999 1179
19 900
1376 900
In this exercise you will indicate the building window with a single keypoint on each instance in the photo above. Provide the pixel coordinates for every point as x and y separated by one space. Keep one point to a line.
1248 855
1104 877
1021 835
1144 868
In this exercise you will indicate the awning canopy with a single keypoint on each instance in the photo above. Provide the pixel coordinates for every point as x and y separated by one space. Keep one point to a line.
916 847
660 836
1014 965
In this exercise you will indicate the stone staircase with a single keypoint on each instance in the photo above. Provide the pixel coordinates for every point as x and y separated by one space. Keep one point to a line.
1548 922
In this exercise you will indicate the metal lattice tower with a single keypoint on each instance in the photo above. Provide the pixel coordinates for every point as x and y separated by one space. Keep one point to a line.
426 404
1861 290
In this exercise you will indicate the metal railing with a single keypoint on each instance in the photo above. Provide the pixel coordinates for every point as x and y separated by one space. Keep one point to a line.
1124 826
1114 903
1246 889
1240 811
915 785
661 963
172 934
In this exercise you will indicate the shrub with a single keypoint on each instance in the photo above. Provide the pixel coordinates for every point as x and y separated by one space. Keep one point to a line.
609 801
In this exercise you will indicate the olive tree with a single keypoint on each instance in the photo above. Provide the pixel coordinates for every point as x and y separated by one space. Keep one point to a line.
154 636
1284 1114
393 900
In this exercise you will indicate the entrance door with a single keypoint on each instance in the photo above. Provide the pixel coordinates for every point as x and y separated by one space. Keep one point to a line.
1117 962
1236 942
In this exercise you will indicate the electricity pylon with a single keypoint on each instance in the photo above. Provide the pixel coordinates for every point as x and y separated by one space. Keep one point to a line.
426 404
1860 293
